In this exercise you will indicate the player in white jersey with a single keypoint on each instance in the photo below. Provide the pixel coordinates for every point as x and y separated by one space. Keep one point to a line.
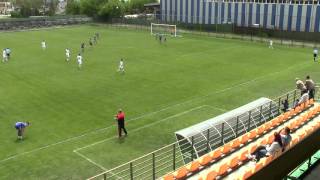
43 45
4 56
271 44
315 54
79 59
68 54
121 66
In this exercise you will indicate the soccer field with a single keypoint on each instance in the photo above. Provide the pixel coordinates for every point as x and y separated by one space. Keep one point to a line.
166 87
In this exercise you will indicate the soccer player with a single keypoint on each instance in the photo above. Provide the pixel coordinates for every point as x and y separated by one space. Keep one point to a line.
8 51
271 44
4 56
68 54
82 47
43 45
20 127
79 59
160 38
120 118
95 40
90 42
315 54
121 66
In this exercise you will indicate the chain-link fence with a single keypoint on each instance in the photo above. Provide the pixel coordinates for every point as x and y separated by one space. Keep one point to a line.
226 28
156 164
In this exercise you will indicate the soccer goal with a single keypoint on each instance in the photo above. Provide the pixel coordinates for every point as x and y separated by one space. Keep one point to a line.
165 29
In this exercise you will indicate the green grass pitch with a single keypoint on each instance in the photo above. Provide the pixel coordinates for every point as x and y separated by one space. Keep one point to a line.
165 88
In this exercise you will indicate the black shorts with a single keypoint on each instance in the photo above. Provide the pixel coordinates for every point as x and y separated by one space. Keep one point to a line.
19 132
315 55
121 123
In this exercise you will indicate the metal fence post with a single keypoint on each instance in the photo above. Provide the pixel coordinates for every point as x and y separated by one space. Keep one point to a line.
294 97
237 126
279 105
249 121
131 171
222 132
208 139
105 176
261 113
270 109
174 157
153 166
192 144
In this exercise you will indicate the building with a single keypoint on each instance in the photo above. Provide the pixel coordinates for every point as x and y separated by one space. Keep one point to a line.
5 7
284 15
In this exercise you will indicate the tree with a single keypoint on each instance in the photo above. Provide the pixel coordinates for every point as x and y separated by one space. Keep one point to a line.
111 9
73 7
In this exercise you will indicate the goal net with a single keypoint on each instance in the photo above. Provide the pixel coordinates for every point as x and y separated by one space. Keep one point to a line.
164 29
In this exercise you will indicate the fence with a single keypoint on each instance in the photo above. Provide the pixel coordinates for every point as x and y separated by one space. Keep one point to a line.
227 29
38 22
156 164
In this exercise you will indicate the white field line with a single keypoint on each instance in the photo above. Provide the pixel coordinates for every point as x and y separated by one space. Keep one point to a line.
91 161
142 127
154 112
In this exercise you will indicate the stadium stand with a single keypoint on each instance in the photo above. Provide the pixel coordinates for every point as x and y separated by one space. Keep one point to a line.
235 163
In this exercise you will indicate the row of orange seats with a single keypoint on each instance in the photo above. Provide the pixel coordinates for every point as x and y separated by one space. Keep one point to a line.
307 130
227 148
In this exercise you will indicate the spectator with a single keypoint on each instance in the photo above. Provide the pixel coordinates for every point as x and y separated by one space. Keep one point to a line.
304 98
268 150
285 137
310 87
121 124
300 85
285 104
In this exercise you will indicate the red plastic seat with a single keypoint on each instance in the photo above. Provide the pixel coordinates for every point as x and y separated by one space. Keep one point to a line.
181 173
243 155
244 138
234 162
212 175
193 166
205 160
215 154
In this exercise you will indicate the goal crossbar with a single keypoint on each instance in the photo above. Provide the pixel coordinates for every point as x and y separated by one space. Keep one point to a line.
166 28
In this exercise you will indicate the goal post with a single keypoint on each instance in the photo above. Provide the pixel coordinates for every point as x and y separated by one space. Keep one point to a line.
165 29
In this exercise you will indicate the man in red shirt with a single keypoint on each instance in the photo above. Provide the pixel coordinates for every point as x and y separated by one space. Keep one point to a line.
120 119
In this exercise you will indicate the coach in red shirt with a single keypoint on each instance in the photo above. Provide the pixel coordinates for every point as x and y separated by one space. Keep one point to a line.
120 119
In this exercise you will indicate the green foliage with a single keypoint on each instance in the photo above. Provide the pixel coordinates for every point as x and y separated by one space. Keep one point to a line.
73 7
110 9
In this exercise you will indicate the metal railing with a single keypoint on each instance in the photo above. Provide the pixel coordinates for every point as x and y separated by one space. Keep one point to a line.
158 163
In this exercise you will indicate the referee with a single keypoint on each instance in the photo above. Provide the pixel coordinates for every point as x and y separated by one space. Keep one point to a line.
120 118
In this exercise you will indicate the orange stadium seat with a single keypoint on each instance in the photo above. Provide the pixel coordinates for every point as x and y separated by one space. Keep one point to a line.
310 114
263 141
266 161
305 118
270 139
252 148
308 130
294 141
253 134
244 138
226 148
257 167
260 130
168 177
267 126
245 175
222 169
293 125
181 173
281 119
318 108
243 155
215 154
301 135
291 113
297 110
193 166
286 115
212 175
235 143
274 122
205 160
311 101
234 162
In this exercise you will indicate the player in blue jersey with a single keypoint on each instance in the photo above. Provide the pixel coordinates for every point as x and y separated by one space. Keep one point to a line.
20 127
